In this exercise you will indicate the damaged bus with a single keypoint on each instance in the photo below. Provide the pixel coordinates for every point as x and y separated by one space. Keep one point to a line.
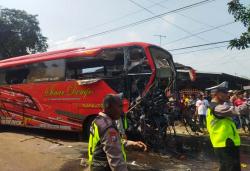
63 90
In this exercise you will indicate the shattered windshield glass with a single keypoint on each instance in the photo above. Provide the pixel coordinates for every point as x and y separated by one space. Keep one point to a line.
162 62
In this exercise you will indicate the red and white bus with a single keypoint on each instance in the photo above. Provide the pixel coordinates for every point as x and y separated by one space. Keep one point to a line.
63 90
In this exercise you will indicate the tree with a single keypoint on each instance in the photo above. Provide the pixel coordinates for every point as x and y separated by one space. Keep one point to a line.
242 14
20 34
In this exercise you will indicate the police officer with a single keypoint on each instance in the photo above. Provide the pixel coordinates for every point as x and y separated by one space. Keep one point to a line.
122 123
106 148
222 130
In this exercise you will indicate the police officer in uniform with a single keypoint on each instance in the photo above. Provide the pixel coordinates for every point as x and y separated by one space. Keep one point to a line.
122 126
122 123
222 130
106 147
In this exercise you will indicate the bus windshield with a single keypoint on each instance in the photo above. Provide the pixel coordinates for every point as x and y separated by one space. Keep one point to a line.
163 62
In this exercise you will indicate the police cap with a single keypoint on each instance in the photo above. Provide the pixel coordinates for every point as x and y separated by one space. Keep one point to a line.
223 87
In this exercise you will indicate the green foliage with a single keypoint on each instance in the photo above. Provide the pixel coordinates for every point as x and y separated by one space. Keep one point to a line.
20 34
242 14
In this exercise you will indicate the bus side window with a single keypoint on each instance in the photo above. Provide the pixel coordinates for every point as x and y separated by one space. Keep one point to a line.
2 77
47 71
16 76
109 63
84 68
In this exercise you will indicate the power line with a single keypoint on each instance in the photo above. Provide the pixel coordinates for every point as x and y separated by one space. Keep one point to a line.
114 20
203 23
191 34
200 45
147 19
188 52
195 34
142 7
188 17
165 20
124 16
215 63
111 21
201 32
230 57
142 21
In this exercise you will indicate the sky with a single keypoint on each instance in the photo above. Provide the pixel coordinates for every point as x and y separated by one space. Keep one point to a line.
63 22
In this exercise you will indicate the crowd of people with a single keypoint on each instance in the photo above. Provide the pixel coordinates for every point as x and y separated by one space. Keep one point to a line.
196 105
217 113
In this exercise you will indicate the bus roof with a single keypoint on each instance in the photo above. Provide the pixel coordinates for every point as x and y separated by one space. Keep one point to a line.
62 54
38 55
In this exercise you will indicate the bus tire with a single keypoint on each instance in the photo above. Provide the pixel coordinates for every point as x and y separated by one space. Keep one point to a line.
86 127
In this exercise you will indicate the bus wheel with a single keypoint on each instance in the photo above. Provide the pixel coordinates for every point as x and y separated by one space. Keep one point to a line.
86 127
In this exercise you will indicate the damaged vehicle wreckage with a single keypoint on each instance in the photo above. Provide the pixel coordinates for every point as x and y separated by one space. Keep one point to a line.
63 90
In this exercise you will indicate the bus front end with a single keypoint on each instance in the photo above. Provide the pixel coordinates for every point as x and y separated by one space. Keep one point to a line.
152 115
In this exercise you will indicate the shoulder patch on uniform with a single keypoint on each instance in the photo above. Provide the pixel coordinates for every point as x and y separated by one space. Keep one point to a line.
113 136
92 130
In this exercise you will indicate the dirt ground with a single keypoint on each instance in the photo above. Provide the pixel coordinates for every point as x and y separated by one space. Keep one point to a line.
27 150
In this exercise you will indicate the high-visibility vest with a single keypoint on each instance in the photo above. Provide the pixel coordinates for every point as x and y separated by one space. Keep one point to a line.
125 122
220 129
95 148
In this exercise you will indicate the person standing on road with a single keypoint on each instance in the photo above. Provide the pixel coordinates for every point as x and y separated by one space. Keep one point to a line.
106 147
239 120
245 119
201 109
246 95
240 98
222 130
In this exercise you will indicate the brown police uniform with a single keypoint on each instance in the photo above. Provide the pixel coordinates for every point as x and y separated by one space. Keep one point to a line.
229 156
108 153
222 130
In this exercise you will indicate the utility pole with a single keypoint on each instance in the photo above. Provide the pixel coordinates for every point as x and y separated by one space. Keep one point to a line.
160 37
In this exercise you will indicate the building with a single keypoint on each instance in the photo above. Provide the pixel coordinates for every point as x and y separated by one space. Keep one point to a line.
202 80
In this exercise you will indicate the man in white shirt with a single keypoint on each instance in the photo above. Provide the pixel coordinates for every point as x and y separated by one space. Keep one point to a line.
201 109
